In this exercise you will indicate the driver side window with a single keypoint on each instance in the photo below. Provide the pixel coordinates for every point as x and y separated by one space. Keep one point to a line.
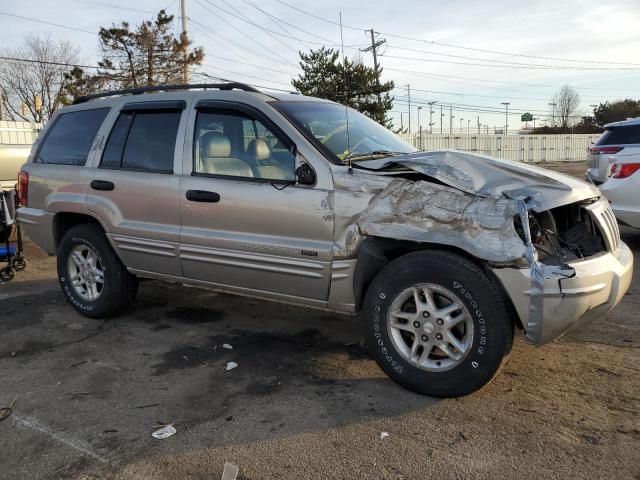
233 144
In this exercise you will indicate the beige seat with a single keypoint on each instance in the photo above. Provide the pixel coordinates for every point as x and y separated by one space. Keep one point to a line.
215 151
260 151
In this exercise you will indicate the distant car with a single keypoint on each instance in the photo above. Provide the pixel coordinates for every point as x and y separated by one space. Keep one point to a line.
12 157
622 188
618 138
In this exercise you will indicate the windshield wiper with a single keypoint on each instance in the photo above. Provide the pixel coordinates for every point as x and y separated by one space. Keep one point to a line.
371 155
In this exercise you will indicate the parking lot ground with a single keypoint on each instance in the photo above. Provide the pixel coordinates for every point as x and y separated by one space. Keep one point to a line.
305 402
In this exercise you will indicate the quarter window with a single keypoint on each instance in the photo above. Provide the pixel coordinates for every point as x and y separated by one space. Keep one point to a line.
143 141
234 144
69 139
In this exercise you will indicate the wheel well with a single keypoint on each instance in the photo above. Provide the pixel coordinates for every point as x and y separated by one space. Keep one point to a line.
62 222
376 252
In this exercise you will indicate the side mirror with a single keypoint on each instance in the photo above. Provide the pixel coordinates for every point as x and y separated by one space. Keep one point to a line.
305 174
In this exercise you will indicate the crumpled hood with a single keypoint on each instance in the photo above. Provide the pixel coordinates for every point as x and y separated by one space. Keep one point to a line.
492 177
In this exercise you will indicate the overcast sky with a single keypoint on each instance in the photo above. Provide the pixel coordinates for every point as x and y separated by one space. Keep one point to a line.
595 31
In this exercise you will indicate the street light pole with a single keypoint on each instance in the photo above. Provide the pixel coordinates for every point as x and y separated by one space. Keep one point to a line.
553 113
468 127
451 117
420 128
506 116
441 116
430 116
461 125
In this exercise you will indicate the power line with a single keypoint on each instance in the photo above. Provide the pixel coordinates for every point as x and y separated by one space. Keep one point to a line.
238 29
281 42
449 45
498 65
37 20
62 64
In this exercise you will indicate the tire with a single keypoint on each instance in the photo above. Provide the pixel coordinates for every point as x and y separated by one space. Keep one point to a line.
6 274
19 264
118 287
480 326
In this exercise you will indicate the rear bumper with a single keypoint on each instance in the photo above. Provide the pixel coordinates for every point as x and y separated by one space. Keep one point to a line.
38 225
593 175
599 284
623 197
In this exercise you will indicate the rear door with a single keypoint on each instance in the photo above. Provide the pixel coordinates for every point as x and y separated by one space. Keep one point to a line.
245 224
134 188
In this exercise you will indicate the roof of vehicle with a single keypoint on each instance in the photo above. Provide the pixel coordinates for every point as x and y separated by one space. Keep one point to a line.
231 89
623 123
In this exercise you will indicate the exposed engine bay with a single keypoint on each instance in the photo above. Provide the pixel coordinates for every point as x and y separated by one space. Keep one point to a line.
563 234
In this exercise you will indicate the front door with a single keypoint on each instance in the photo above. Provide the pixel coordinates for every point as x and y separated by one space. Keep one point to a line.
245 224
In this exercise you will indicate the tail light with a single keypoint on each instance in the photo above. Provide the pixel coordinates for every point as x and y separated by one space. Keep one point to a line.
623 170
605 150
23 188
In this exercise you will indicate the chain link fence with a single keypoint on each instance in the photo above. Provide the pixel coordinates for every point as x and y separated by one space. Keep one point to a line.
520 148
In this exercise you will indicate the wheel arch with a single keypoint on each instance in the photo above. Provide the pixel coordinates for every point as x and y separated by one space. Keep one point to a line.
376 252
63 221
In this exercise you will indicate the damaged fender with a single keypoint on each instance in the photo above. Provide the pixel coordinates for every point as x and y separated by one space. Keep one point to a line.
427 212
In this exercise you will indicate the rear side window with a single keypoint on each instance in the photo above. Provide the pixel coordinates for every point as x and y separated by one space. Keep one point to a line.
143 141
620 135
69 139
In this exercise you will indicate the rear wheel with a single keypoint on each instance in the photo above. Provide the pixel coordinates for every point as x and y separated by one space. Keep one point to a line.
92 277
436 324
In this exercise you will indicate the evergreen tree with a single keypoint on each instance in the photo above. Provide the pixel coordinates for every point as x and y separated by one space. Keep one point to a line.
146 55
351 83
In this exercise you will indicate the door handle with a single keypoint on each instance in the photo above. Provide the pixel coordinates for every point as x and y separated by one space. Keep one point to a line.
102 185
203 196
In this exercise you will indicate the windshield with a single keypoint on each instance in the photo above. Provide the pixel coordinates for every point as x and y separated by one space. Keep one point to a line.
326 124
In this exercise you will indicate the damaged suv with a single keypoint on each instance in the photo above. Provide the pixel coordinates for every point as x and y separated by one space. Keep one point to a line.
279 196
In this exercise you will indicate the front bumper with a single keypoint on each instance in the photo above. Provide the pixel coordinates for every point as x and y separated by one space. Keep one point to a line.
599 284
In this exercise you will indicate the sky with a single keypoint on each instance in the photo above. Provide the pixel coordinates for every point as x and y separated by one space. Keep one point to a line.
467 56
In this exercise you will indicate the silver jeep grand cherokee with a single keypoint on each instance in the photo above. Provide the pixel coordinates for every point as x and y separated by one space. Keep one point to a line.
296 199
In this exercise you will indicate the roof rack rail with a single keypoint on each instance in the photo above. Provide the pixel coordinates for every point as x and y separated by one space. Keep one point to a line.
165 88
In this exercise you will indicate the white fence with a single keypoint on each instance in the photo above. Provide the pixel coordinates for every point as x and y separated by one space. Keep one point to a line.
521 148
18 133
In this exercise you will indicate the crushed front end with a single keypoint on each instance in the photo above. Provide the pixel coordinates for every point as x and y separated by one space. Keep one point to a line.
585 269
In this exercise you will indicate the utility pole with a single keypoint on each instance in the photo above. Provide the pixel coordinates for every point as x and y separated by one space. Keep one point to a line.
450 120
430 116
441 116
185 50
478 124
401 122
409 101
468 127
461 125
374 50
1 107
506 116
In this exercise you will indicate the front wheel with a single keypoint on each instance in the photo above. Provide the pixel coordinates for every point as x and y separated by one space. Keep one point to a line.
92 277
436 324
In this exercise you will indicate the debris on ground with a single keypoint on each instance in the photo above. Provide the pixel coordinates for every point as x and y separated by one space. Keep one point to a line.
227 346
231 366
383 435
5 412
230 471
164 432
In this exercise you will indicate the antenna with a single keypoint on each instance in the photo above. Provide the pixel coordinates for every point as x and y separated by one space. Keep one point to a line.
346 109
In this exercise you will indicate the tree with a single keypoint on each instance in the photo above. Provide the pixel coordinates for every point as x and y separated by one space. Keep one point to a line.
146 55
614 112
351 83
566 102
32 91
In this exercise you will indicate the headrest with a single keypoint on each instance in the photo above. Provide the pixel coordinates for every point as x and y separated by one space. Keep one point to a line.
259 148
215 144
